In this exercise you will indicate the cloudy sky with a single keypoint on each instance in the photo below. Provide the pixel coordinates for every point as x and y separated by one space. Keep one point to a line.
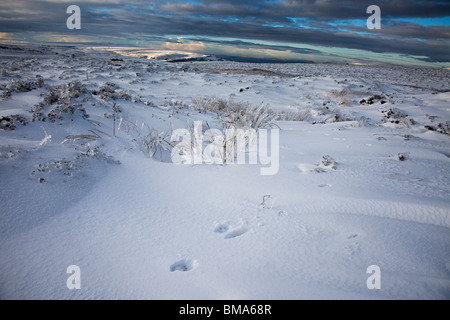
412 31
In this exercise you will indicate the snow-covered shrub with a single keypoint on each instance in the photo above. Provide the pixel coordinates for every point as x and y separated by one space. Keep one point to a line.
55 114
373 99
244 115
209 104
64 168
65 98
21 86
397 117
343 96
169 103
155 141
316 115
362 122
109 91
240 114
337 116
291 115
229 144
9 122
327 162
403 156
95 152
7 153
46 171
149 103
346 96
443 128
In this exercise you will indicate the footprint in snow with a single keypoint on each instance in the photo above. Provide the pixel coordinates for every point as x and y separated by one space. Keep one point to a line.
236 232
222 227
225 227
282 213
347 245
306 168
352 246
183 265
324 185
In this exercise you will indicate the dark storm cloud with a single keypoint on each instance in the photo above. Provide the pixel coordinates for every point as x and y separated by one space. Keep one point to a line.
313 9
311 22
407 30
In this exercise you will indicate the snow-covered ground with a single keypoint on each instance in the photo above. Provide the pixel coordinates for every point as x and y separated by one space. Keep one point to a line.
86 179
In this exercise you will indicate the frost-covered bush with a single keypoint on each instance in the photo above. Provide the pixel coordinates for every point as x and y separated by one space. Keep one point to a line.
65 97
170 103
95 152
403 156
110 91
7 153
209 104
244 115
22 86
291 115
443 128
373 99
9 122
337 116
155 142
343 96
64 168
397 117
316 115
240 114
327 162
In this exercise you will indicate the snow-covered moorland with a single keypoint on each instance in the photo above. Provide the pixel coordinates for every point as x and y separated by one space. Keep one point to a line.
87 179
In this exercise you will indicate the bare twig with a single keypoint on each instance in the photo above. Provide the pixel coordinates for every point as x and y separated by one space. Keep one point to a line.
265 197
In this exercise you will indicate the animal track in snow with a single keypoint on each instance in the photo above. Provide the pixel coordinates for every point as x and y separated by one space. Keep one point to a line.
231 232
183 265
236 232
306 168
282 213
347 245
324 185
352 247
222 227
